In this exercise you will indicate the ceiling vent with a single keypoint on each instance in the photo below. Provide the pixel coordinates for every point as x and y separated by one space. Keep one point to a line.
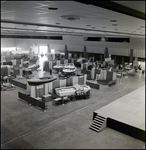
70 17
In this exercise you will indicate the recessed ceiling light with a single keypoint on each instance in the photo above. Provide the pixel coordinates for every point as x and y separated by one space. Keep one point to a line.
70 17
52 8
113 20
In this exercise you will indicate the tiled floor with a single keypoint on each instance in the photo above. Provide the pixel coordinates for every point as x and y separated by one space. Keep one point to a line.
65 126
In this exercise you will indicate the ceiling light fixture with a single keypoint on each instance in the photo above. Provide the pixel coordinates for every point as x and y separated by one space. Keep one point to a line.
113 20
70 17
52 8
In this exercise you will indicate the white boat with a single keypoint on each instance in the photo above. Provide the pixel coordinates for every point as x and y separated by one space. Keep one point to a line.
33 67
73 90
80 61
69 69
58 67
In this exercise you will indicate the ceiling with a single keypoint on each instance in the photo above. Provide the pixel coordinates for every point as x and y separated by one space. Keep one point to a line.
82 18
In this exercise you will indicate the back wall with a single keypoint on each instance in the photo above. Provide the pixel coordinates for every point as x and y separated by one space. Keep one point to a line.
76 44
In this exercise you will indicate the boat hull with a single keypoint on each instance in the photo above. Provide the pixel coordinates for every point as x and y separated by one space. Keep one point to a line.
43 80
69 71
58 67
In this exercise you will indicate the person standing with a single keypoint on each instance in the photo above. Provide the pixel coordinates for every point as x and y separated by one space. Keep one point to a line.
50 71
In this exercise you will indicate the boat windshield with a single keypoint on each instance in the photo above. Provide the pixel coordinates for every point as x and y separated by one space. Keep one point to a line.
69 64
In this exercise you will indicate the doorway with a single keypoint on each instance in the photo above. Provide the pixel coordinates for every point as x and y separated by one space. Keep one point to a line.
43 50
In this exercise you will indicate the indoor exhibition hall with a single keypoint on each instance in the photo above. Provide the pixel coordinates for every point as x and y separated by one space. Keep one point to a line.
72 74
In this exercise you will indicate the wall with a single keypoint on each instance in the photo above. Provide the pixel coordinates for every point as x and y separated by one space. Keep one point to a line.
76 43
5 42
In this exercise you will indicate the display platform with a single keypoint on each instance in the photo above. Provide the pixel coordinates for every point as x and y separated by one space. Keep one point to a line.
127 114
19 82
22 83
93 84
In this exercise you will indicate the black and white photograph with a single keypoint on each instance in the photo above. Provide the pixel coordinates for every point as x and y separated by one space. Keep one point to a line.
73 74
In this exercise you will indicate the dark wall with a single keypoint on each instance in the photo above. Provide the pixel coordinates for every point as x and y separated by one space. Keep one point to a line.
126 129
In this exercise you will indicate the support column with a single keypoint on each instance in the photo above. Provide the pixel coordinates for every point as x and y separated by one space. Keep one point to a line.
100 57
85 52
66 52
106 54
131 56
115 59
122 60
49 50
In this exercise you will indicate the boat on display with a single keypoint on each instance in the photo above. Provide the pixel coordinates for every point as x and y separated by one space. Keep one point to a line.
73 90
58 67
69 69
42 80
17 56
31 68
34 66
80 61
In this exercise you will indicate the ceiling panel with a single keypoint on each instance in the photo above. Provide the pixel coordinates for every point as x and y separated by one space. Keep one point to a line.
37 12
